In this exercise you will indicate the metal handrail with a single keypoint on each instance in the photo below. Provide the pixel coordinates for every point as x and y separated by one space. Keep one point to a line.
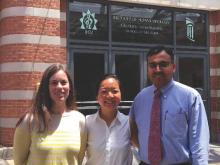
88 107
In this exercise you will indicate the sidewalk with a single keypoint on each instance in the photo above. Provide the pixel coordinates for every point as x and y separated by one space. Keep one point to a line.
6 156
214 155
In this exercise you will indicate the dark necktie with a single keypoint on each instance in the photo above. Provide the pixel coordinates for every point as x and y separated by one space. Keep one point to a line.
154 142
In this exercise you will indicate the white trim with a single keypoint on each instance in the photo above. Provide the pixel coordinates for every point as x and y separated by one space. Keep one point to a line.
8 122
214 50
215 72
23 67
217 28
33 11
215 115
212 28
215 93
16 94
191 4
211 50
32 39
217 49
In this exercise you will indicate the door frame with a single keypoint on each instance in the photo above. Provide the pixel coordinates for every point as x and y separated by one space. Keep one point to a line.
204 56
205 66
70 59
142 62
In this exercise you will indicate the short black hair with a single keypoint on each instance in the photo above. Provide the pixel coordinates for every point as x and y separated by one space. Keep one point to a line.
158 49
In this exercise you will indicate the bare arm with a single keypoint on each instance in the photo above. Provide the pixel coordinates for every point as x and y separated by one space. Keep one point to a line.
21 144
134 133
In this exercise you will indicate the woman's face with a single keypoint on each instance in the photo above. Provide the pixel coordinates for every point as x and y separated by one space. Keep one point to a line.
109 94
59 87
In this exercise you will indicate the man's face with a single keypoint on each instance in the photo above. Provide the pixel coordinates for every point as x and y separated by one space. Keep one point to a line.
160 69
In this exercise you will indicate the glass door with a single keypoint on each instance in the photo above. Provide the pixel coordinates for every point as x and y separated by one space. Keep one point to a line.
192 71
88 67
129 68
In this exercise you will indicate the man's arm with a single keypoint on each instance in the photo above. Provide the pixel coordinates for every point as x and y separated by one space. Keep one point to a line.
198 132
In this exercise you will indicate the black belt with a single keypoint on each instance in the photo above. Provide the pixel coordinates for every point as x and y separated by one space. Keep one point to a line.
143 163
186 163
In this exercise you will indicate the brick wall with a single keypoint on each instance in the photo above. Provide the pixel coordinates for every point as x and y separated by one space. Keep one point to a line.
32 36
215 75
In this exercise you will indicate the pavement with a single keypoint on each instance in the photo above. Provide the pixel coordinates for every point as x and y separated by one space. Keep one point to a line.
6 156
214 155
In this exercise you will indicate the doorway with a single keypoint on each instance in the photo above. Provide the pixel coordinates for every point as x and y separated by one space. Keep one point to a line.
89 66
192 71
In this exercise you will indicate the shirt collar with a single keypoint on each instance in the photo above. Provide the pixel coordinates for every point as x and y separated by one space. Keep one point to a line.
118 118
166 87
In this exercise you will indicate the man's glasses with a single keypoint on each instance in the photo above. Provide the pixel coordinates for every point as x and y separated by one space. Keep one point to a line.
161 65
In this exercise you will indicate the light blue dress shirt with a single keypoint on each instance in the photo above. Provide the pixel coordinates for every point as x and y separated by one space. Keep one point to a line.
184 125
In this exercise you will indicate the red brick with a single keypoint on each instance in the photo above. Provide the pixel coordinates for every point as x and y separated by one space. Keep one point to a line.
212 39
215 61
63 5
218 39
6 136
36 53
32 25
214 125
14 108
19 80
214 17
32 53
214 104
215 82
52 4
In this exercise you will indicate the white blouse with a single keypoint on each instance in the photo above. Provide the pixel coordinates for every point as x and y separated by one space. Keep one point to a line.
108 145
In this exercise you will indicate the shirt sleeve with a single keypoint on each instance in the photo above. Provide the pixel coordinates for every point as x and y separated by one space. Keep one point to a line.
83 137
21 144
198 132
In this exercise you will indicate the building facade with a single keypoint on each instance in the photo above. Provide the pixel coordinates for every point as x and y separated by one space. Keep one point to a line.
93 38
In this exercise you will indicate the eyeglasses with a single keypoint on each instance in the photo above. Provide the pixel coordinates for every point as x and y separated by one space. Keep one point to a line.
161 65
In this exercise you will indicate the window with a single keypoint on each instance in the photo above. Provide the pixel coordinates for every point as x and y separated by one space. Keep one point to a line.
190 29
88 69
142 25
88 21
129 76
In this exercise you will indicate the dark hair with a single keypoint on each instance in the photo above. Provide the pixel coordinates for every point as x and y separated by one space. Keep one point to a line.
107 76
158 49
42 97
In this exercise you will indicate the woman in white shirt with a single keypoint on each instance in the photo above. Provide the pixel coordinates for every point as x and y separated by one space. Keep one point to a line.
108 129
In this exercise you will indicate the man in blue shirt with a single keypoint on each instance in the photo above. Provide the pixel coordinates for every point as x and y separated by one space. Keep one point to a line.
183 122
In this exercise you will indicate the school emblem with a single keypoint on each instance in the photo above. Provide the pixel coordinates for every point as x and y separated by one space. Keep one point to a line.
190 29
88 22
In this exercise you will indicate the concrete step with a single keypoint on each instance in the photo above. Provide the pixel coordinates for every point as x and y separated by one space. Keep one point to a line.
6 153
6 157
